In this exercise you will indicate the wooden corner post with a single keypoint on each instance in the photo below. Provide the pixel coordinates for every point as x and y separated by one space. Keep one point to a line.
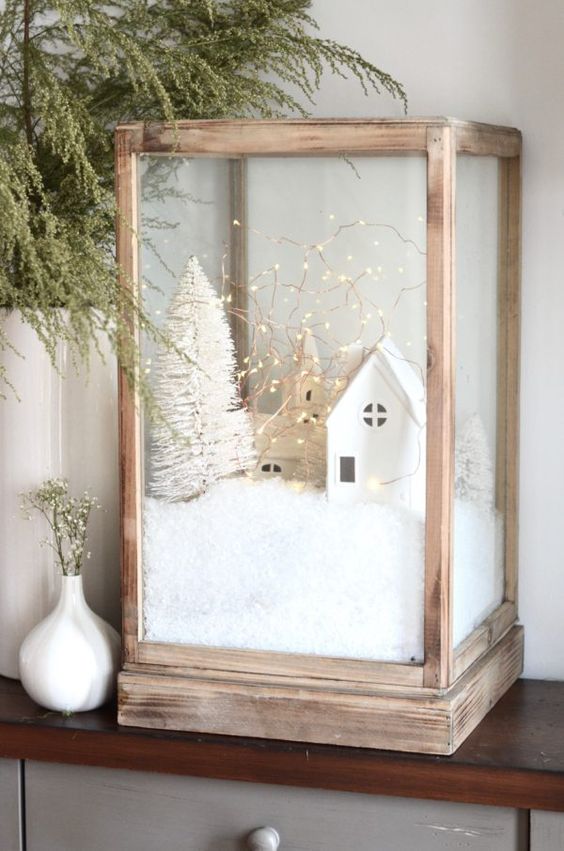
438 659
509 299
129 460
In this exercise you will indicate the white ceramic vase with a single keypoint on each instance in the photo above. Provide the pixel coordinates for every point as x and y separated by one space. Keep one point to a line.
69 661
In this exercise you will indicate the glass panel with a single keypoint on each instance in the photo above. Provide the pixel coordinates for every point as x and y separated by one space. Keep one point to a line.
287 512
479 496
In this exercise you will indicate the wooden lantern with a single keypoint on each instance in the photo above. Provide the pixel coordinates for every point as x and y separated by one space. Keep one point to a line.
464 227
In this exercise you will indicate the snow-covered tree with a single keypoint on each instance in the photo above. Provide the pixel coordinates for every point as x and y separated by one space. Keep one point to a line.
474 478
206 434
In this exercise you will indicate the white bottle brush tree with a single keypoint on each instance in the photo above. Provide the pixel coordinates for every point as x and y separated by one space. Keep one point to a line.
205 434
474 475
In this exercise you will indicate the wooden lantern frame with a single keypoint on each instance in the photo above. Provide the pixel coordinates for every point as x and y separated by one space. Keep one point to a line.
428 707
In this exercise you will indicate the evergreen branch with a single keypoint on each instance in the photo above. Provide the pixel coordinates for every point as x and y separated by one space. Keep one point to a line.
26 84
69 71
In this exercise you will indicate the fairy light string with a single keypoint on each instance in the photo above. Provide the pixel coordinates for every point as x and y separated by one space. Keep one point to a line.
303 325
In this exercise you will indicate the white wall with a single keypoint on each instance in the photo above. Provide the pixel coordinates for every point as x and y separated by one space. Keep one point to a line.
500 61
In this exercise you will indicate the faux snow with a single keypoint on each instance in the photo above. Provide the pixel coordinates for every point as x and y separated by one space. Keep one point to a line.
260 565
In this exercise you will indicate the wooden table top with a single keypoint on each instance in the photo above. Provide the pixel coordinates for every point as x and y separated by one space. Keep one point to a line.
515 758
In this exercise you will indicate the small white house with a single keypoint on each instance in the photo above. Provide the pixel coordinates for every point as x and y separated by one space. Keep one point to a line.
376 434
304 391
291 444
289 449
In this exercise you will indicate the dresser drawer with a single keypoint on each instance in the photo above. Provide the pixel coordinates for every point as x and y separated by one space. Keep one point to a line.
91 809
10 837
547 831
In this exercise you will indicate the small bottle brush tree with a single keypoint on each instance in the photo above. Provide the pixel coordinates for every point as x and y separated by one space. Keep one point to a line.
69 71
67 518
474 476
205 434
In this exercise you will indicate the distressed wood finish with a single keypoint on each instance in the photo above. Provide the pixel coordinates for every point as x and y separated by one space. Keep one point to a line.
508 363
482 685
512 179
403 721
318 136
269 138
129 422
482 140
283 712
440 415
215 662
126 811
484 637
501 453
302 690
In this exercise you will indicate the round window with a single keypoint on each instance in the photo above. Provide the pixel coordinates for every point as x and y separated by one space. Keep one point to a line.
374 417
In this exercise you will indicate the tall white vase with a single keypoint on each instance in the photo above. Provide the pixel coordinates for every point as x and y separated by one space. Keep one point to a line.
30 451
69 661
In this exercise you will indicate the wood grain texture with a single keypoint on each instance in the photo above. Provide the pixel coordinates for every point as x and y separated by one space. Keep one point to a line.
284 138
313 136
214 662
11 812
502 341
384 718
482 638
91 809
515 758
484 683
512 169
438 663
482 140
278 712
129 437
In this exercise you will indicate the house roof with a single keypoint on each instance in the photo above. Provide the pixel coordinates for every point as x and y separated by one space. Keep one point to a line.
389 358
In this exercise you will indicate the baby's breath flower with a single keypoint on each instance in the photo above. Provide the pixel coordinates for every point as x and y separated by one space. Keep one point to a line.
67 517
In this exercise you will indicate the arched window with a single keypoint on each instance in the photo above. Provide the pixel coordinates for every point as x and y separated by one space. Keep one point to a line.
369 418
271 468
308 395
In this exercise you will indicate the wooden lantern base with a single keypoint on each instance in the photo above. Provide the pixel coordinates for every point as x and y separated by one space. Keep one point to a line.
389 717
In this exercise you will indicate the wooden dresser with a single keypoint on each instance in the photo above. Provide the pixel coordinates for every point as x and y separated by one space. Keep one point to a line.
85 784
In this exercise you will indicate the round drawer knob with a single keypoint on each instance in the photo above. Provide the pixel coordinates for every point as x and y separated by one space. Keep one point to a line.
263 839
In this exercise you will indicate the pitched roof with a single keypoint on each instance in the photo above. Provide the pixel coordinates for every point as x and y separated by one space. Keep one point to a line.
389 358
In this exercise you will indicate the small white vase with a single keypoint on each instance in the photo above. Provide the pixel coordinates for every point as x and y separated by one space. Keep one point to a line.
69 661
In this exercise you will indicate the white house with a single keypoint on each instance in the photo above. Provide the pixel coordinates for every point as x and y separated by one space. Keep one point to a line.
376 434
289 449
304 390
291 444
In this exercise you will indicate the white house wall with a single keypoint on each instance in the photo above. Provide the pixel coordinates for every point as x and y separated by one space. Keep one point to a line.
389 461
